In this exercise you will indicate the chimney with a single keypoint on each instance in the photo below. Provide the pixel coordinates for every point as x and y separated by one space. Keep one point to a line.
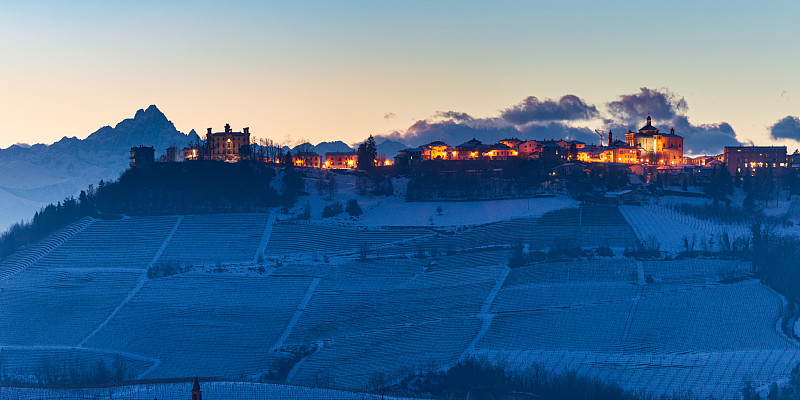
209 131
247 130
610 138
227 128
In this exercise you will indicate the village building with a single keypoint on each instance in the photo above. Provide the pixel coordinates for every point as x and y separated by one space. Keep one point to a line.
341 160
529 149
192 153
307 159
567 144
747 160
499 151
512 142
570 171
469 150
552 152
436 151
142 156
225 146
172 154
656 147
618 151
409 156
793 160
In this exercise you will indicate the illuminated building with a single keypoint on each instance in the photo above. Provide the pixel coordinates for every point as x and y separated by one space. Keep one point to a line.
469 150
529 148
224 146
747 160
656 147
307 159
436 151
341 160
512 142
498 151
618 152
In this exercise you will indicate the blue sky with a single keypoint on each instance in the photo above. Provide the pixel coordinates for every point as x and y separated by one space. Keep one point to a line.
333 70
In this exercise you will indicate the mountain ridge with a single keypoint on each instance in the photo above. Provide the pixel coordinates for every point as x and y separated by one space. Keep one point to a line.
48 173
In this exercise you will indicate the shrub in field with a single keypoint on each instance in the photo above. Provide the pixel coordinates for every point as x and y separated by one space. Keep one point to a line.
332 210
353 208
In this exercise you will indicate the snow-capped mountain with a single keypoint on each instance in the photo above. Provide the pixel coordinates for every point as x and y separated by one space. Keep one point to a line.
42 174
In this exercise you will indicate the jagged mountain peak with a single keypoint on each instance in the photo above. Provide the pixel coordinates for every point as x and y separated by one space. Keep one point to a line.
151 113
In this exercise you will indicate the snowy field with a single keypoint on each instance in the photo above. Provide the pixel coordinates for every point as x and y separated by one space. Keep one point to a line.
208 239
669 227
382 211
424 299
680 332
38 302
126 243
307 238
205 323
182 391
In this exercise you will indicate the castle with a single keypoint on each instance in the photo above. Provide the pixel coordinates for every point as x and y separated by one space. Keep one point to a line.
220 146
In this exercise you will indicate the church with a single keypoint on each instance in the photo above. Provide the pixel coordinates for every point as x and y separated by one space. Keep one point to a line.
656 147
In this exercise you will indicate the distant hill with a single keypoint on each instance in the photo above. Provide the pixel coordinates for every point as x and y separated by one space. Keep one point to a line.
330 147
49 173
389 148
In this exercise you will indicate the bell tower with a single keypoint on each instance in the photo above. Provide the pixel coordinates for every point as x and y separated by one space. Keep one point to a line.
197 394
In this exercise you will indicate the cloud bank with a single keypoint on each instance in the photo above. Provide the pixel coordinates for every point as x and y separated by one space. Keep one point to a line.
786 128
555 119
567 108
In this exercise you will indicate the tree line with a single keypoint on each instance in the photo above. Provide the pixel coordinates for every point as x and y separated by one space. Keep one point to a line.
163 189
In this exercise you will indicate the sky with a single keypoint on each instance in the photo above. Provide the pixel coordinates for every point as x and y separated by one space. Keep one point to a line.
325 70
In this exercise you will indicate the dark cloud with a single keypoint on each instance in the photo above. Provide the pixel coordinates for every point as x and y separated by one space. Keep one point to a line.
567 108
661 104
786 128
534 119
454 115
555 130
704 138
450 132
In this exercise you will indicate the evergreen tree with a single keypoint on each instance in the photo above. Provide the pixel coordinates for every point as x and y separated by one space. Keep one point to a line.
367 154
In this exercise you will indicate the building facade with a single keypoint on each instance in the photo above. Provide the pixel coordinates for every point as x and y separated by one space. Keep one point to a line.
437 151
224 146
747 160
307 159
616 152
656 147
142 155
341 160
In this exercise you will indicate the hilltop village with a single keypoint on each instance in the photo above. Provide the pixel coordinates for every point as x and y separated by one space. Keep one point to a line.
646 152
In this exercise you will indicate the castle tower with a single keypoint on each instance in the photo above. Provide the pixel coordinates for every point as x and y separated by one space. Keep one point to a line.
197 394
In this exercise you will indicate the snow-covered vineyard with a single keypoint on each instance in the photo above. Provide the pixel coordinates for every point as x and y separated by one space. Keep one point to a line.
180 391
259 298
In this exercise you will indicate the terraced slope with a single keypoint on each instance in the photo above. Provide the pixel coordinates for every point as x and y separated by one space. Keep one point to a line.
59 306
126 243
289 238
208 239
226 322
651 326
